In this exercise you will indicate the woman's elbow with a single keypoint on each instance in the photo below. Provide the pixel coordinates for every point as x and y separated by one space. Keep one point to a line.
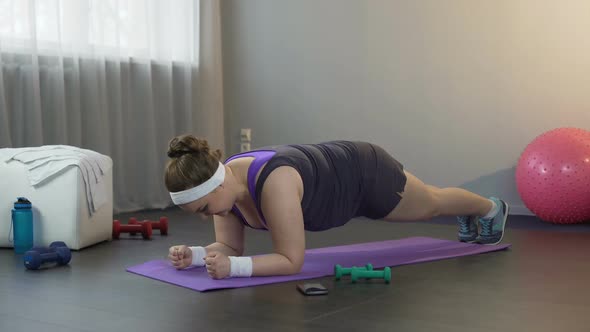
296 267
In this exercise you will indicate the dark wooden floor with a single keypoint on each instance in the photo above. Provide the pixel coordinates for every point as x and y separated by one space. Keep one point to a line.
541 284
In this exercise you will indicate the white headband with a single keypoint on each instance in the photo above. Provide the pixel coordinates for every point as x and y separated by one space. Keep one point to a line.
192 194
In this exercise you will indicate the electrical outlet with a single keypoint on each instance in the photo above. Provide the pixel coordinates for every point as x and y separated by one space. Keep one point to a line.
244 147
246 135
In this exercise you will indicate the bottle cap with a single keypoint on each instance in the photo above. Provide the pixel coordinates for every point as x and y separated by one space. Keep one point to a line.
22 203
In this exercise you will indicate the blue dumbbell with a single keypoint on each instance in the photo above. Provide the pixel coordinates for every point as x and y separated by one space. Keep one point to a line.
57 252
44 250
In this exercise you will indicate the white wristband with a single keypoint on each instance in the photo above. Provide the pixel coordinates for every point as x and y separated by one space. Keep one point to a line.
198 254
240 266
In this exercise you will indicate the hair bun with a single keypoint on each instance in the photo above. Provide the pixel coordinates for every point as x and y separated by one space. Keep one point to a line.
176 154
186 144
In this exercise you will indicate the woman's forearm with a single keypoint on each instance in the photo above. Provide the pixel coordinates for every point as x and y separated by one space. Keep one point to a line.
222 248
274 264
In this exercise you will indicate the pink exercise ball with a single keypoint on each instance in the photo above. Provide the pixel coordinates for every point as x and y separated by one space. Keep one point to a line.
553 176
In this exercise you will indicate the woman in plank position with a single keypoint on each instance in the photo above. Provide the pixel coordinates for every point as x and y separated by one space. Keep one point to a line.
291 188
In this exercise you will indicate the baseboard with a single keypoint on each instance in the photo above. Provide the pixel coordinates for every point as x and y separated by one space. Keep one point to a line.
520 210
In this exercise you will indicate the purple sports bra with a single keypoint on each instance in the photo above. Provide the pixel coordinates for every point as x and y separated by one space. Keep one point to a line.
260 158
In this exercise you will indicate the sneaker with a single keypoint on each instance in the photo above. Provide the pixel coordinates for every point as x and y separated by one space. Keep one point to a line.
467 228
492 230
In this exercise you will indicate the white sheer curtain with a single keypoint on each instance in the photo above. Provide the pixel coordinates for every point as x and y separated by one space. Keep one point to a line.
120 77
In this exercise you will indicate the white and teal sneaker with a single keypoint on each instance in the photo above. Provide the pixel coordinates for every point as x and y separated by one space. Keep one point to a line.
467 229
492 230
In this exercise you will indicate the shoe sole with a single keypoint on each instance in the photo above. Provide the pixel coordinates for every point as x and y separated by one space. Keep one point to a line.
468 241
503 224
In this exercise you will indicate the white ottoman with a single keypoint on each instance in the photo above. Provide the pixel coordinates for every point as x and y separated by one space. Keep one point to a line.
60 207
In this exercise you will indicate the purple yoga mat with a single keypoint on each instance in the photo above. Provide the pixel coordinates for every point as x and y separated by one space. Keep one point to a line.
320 262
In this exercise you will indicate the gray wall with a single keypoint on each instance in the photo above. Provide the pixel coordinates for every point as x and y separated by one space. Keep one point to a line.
454 89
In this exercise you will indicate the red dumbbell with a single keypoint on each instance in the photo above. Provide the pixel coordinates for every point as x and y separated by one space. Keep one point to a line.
144 228
133 221
161 225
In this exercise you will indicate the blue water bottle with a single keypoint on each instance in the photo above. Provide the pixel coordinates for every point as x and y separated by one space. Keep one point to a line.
22 224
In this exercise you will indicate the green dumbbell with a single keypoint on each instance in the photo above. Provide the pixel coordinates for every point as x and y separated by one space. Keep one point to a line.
340 271
380 274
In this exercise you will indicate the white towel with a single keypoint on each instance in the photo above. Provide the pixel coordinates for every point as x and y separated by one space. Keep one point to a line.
46 161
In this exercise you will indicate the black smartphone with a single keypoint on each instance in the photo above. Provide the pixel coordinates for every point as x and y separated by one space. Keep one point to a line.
312 289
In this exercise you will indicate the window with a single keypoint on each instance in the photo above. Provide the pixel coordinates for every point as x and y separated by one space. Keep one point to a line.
139 29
